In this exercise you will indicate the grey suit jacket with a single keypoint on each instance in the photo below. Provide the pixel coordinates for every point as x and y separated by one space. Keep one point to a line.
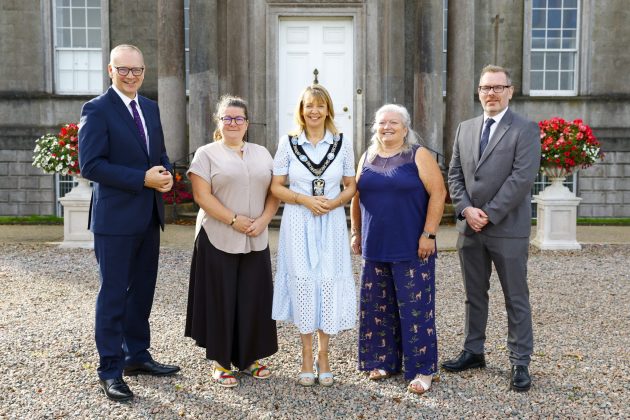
500 181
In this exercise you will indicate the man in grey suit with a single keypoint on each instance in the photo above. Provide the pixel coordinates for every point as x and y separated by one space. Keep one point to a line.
495 160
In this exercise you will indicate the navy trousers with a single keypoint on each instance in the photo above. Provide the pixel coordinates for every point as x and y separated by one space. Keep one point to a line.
397 320
128 270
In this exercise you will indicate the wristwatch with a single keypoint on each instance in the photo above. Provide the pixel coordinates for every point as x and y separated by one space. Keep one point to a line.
428 235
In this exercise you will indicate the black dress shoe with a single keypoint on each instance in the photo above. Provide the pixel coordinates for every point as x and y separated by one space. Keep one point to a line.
520 381
150 367
116 389
464 361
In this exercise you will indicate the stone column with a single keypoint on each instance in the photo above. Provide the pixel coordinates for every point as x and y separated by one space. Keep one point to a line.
427 80
172 77
461 78
203 66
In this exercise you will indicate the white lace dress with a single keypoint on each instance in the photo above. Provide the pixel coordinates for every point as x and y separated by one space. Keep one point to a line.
314 286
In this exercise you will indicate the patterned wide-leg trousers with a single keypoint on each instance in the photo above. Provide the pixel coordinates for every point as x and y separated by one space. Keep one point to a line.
397 317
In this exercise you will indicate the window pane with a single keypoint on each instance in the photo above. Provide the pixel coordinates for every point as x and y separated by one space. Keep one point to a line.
554 4
78 3
551 81
63 17
78 18
552 61
566 80
538 18
570 4
65 82
553 43
81 79
81 60
553 18
538 61
96 81
567 61
538 43
78 38
553 39
94 18
537 80
96 61
568 43
186 38
65 3
94 38
94 3
65 60
540 3
569 19
63 38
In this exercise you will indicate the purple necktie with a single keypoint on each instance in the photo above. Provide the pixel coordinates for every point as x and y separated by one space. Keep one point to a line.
485 136
138 121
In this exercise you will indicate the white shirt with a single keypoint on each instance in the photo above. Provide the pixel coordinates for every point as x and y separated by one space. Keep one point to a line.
127 101
497 120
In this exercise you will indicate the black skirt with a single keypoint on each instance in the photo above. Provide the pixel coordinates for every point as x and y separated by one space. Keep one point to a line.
229 304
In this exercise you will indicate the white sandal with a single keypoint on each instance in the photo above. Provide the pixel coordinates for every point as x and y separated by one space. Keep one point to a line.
424 381
378 374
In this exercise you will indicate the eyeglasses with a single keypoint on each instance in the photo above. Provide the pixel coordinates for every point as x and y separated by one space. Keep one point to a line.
136 71
237 120
497 89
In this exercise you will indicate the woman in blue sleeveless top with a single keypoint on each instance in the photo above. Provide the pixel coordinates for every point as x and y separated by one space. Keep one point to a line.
395 216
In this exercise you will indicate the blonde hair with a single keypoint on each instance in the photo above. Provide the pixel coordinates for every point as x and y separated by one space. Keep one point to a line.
224 103
319 93
376 144
119 48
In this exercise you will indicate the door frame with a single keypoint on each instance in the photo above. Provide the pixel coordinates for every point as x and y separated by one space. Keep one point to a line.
274 12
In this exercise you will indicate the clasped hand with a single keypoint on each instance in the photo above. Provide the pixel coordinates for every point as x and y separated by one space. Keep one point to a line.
159 179
249 226
318 205
476 218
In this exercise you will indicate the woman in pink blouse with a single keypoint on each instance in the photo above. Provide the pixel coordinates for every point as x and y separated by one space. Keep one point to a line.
231 289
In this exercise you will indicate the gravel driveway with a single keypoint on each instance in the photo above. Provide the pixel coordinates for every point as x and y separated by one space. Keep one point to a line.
580 369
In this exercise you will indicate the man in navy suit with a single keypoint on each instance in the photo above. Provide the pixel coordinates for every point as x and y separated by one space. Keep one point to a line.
121 150
496 157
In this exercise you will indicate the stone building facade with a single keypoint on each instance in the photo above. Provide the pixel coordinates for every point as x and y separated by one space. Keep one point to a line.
567 57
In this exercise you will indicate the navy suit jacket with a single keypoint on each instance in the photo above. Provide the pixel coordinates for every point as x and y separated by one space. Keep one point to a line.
113 156
500 181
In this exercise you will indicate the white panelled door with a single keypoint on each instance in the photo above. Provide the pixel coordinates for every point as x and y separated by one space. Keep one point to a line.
325 44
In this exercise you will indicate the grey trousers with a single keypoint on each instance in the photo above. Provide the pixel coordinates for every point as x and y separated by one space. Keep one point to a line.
477 253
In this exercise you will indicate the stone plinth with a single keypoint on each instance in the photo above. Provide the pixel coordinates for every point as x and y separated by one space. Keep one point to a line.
557 217
76 208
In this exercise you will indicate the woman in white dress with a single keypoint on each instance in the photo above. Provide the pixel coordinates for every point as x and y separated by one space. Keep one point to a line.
314 286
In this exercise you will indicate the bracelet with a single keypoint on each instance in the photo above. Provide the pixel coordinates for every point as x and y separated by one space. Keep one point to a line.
233 220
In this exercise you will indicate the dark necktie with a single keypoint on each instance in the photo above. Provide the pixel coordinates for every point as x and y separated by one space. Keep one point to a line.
485 136
138 121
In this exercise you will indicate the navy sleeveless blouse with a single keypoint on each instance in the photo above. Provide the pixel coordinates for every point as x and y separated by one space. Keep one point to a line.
394 205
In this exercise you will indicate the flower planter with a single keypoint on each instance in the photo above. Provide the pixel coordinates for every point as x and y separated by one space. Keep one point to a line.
76 208
557 214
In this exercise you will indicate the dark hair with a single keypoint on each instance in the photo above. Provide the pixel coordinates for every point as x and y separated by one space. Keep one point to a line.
224 103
